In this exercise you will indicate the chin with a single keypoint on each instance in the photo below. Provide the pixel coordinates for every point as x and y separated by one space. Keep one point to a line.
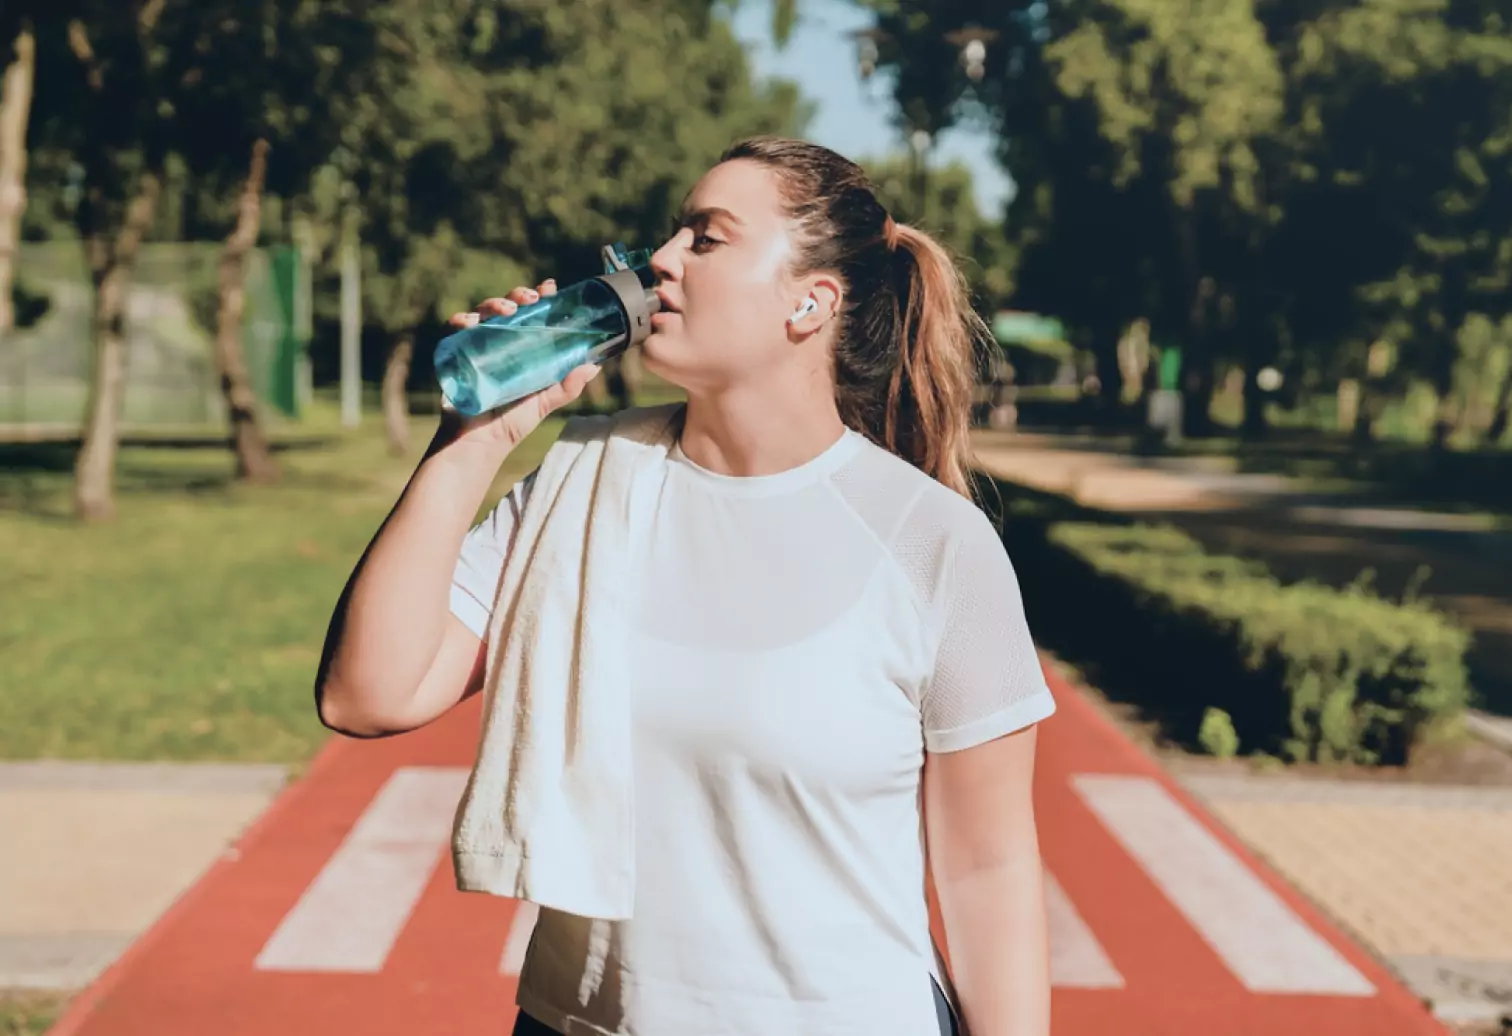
652 351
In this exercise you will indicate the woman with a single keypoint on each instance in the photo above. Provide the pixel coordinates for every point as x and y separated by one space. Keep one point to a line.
831 671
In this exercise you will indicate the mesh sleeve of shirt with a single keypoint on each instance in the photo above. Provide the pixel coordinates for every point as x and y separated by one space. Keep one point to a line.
987 680
475 580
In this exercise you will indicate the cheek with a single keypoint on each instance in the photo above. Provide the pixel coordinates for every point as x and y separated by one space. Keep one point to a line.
769 265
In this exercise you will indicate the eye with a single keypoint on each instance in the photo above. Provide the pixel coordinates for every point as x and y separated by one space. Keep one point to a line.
703 243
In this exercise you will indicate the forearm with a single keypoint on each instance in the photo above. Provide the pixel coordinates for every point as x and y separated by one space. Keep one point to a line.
997 934
388 624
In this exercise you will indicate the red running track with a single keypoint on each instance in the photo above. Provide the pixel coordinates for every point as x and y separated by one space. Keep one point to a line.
1141 949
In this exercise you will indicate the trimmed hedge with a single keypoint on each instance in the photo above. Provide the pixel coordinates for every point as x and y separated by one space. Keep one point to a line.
1303 671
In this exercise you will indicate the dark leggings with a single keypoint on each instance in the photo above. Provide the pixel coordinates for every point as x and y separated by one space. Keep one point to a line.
528 1026
525 1025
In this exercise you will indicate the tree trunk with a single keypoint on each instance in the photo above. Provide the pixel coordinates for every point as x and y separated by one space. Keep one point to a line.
1254 424
254 458
1502 415
15 111
111 265
1197 385
395 400
612 388
1373 400
1447 412
1110 378
395 397
1197 362
634 374
618 384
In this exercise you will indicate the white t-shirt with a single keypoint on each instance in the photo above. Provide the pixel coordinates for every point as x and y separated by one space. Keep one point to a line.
799 640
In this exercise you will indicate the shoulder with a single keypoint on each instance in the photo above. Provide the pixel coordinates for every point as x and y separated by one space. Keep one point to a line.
926 511
931 532
644 424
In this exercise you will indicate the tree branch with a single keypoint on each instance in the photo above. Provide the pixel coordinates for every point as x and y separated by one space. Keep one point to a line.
148 16
78 42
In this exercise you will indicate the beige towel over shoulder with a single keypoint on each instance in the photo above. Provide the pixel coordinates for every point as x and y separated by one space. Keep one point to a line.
547 813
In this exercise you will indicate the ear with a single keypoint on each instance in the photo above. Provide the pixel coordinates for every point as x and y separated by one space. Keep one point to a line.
826 293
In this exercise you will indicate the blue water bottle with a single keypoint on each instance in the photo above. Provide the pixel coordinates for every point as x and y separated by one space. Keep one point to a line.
503 359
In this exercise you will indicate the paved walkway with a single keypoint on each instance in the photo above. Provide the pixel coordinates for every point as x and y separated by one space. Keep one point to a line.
338 913
1417 873
94 853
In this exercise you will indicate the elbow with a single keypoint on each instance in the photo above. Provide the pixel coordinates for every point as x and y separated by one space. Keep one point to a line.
342 712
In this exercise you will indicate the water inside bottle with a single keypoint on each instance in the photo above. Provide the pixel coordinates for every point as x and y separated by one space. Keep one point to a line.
505 358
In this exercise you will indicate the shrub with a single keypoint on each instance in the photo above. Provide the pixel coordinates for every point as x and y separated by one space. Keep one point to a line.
1217 735
1221 651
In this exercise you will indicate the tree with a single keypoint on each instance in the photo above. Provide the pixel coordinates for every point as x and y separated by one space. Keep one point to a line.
537 134
1269 181
247 122
99 93
1418 124
19 38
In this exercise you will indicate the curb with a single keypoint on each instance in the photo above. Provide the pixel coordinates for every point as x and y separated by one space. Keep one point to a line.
1492 729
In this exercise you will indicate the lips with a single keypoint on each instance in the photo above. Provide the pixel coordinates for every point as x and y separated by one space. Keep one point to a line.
667 305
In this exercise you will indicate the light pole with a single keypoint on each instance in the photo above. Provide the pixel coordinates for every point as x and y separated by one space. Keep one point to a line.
351 310
918 142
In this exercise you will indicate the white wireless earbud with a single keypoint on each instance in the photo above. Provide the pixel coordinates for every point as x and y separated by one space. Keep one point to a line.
809 305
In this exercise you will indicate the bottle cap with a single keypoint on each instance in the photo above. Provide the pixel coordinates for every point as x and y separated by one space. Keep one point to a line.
617 257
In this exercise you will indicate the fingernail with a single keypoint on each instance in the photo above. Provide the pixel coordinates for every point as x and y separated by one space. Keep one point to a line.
549 282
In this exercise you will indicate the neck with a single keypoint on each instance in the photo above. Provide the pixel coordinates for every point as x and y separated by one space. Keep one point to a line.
748 431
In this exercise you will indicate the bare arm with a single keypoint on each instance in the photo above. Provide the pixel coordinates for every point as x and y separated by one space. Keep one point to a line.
395 657
985 862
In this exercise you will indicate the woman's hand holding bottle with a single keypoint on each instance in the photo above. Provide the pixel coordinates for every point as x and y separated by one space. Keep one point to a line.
395 658
503 429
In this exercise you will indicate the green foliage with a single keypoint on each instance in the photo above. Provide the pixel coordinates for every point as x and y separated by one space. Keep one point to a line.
1200 76
1268 182
513 140
25 1013
1315 673
1217 735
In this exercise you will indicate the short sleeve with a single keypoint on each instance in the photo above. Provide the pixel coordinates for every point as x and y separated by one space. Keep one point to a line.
987 679
475 581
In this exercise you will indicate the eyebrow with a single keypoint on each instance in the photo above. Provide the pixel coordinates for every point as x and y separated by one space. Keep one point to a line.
703 215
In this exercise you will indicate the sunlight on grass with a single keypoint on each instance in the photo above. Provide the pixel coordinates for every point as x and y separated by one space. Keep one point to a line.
29 1014
189 628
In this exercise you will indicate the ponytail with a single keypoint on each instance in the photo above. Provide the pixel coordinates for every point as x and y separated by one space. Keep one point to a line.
928 412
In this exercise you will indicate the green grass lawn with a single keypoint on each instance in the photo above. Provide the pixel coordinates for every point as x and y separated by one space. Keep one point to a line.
29 1014
191 626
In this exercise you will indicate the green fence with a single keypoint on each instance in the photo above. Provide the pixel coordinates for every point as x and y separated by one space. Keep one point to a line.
171 377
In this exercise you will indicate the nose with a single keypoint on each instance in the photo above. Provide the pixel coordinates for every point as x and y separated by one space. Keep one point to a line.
666 261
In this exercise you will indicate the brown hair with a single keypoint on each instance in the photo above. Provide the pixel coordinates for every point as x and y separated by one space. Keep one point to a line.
904 353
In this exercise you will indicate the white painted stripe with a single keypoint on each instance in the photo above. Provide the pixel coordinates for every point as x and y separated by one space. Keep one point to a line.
350 915
520 929
1258 937
1077 959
